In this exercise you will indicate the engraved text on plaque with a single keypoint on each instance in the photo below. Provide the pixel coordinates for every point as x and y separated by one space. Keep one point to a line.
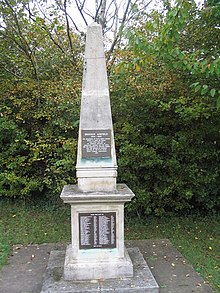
96 143
97 230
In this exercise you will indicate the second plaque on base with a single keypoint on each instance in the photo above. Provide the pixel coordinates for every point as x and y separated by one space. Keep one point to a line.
97 230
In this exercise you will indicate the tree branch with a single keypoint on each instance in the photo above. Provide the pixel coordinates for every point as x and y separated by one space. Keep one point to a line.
9 71
68 27
119 34
80 9
25 46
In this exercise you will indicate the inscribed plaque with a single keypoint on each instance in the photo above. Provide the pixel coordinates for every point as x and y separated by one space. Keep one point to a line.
97 230
96 143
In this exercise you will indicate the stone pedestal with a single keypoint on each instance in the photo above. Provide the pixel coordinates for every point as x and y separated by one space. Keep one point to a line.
97 220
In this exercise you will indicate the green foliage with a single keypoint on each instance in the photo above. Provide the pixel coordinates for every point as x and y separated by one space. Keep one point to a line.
167 140
33 46
38 133
163 97
40 78
180 41
164 102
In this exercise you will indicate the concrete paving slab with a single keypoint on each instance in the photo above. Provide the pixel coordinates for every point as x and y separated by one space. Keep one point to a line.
171 271
25 268
27 264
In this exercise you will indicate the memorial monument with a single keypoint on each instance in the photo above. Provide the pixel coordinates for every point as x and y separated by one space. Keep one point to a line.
97 257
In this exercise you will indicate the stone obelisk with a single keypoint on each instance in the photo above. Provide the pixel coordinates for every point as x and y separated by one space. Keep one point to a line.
97 259
97 202
96 160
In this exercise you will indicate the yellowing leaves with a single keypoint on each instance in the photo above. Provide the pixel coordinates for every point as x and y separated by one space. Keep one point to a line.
137 67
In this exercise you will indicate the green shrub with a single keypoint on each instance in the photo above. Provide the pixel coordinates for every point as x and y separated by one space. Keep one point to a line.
167 142
38 138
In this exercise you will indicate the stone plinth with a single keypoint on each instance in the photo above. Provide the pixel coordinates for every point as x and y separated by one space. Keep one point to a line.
97 221
95 268
141 282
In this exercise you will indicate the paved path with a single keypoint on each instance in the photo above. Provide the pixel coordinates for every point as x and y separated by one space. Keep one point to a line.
26 266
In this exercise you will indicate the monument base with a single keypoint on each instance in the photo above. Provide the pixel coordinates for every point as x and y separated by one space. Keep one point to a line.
141 282
95 269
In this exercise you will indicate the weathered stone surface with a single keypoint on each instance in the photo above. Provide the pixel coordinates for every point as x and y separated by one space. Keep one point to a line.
142 281
97 268
72 194
95 203
96 167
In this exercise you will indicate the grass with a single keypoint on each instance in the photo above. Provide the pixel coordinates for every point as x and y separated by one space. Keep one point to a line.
196 237
25 224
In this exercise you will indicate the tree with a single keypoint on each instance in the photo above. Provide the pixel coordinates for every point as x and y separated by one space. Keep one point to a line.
167 152
172 129
31 46
39 103
180 41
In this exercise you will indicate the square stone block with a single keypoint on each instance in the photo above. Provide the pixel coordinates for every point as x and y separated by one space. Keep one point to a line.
92 269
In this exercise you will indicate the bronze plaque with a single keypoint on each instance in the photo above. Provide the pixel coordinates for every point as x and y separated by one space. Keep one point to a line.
96 143
97 230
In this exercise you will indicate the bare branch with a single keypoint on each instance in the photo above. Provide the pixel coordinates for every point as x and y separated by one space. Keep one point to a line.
119 34
109 6
67 16
102 14
116 16
87 12
143 8
9 71
24 44
80 9
98 6
68 27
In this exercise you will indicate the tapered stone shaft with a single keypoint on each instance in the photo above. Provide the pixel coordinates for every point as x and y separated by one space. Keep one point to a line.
96 159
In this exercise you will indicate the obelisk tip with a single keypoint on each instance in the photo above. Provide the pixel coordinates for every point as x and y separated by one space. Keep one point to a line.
95 24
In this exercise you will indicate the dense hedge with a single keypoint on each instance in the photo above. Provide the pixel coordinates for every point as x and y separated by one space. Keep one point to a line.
167 132
167 142
38 138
